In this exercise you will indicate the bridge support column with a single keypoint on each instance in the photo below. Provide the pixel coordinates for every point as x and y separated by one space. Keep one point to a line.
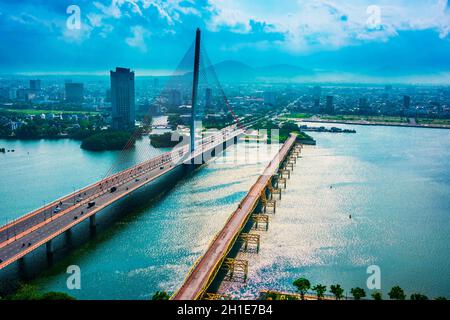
92 222
49 247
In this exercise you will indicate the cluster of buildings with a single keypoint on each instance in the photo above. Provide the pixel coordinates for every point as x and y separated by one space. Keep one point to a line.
122 101
408 101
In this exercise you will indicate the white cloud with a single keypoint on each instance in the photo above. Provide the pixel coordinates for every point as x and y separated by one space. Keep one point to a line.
137 39
310 24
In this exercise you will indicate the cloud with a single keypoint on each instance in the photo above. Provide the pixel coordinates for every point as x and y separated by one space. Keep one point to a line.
308 25
137 40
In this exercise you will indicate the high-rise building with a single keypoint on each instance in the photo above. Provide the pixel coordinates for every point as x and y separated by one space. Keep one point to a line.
316 104
35 85
329 109
174 98
74 92
122 99
317 90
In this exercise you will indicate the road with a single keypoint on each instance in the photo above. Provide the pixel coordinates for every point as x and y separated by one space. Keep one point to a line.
205 270
40 226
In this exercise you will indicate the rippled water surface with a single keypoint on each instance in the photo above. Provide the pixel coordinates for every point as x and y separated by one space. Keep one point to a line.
393 181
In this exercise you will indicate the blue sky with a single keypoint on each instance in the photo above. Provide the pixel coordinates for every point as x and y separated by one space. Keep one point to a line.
388 38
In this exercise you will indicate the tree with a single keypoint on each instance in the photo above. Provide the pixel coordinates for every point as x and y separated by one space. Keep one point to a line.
320 290
56 296
358 293
302 285
337 291
441 298
108 140
418 296
160 295
397 293
377 295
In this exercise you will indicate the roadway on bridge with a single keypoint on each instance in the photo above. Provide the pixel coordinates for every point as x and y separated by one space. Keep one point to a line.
38 227
205 270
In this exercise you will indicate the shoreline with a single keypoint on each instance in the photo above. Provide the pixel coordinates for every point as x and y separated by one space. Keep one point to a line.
383 124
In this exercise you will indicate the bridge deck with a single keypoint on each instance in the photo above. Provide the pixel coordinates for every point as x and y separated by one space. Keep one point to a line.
40 226
206 268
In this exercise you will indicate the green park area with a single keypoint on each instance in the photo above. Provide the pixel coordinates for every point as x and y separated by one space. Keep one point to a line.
46 111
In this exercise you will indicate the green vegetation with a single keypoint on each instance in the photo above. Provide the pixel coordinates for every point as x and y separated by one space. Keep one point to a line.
174 120
337 291
298 116
303 285
397 293
164 140
418 296
270 295
366 118
218 123
320 291
108 140
284 131
358 293
29 292
161 295
441 298
433 121
28 127
377 295
48 111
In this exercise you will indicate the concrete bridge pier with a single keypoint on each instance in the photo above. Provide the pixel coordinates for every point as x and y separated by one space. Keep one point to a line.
49 248
92 222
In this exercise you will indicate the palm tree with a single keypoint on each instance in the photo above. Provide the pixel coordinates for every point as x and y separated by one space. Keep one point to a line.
358 293
320 290
337 291
397 293
160 295
377 295
302 285
418 296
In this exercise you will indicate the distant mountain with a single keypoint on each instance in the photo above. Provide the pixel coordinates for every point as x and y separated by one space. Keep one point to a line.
282 71
235 71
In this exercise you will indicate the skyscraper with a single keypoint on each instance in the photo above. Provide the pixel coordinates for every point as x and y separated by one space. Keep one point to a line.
35 85
329 107
74 92
317 90
174 98
122 99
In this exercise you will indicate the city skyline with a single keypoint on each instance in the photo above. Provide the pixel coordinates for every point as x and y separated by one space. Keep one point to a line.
405 41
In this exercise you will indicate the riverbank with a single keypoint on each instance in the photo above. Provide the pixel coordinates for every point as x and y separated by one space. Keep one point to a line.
378 123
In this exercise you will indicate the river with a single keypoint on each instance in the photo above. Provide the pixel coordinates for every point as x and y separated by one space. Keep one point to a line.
393 181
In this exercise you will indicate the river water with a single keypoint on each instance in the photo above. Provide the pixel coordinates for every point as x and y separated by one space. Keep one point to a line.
393 181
